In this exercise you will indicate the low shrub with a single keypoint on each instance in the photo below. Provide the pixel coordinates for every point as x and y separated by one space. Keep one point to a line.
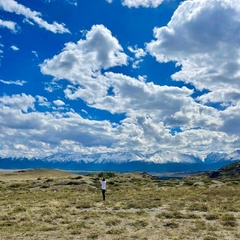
229 220
171 225
212 216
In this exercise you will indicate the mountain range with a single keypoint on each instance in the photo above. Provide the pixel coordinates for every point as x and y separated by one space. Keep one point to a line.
159 161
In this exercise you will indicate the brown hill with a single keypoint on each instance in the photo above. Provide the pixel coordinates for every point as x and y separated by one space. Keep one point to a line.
229 171
34 174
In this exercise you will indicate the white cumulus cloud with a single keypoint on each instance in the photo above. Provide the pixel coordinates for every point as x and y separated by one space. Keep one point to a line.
59 103
80 63
20 102
203 44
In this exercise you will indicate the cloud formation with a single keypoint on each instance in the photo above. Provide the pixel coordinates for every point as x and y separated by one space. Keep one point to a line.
151 110
203 45
14 48
45 133
18 82
82 62
8 24
13 7
140 3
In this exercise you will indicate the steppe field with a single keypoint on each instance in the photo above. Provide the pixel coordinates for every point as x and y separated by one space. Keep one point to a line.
50 204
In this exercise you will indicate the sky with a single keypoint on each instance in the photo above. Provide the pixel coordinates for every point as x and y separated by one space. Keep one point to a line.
95 76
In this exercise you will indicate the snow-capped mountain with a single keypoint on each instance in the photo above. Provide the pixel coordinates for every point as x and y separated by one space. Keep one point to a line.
159 157
215 157
171 157
160 161
235 156
119 157
63 157
106 157
222 157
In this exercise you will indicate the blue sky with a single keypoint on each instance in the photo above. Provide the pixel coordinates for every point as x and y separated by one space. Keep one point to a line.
95 76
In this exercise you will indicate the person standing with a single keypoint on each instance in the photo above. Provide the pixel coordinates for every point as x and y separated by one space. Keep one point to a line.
103 187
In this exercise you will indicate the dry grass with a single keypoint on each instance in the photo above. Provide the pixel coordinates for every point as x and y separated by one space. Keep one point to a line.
57 205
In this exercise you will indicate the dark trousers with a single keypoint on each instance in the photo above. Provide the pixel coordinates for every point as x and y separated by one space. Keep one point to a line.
103 193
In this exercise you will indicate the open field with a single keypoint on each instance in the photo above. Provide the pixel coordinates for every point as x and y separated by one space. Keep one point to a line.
44 204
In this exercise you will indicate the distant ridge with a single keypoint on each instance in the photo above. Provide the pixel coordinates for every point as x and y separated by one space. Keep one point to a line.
229 171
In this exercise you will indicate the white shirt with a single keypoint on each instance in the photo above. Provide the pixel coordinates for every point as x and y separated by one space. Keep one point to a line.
104 183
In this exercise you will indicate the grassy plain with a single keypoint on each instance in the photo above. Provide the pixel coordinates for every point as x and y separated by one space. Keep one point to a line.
45 204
